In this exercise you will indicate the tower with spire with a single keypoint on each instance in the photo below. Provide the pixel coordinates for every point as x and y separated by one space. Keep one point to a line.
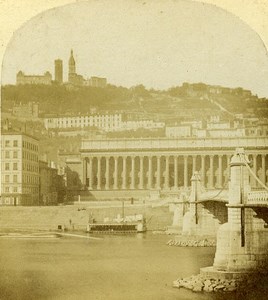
72 71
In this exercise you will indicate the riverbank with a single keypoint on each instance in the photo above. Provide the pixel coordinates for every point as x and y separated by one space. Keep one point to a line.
246 285
76 217
192 241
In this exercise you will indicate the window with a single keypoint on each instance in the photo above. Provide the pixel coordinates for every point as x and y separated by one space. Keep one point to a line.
15 166
6 178
15 154
6 166
15 189
7 189
7 154
7 143
15 178
15 143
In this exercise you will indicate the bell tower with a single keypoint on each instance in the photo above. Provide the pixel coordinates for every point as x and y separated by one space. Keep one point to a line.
71 67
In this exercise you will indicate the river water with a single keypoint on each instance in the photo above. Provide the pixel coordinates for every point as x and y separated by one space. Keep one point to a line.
115 267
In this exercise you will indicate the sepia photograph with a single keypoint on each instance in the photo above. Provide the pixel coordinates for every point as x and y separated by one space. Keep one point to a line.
134 150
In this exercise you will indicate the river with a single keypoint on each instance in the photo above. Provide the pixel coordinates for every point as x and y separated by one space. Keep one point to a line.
115 267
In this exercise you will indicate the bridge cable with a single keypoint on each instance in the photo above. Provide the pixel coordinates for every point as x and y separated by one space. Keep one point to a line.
221 190
253 174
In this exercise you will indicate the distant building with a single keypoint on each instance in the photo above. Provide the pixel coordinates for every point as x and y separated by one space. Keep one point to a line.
51 183
58 71
257 130
224 133
105 122
200 133
96 82
218 133
219 125
178 131
33 79
73 77
74 174
29 110
215 89
47 183
141 124
214 119
72 69
19 169
194 124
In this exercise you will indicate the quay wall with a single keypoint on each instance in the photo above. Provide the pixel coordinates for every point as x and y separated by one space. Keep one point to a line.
77 216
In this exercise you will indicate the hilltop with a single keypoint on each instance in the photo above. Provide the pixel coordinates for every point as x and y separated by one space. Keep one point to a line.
177 103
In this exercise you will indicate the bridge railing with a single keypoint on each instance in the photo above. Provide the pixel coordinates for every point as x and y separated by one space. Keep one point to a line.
257 197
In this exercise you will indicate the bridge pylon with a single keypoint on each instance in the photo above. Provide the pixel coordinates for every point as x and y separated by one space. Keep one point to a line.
242 242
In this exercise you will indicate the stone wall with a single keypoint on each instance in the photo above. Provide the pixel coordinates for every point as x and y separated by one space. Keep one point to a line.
49 217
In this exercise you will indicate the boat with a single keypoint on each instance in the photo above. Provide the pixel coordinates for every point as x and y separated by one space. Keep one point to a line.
116 227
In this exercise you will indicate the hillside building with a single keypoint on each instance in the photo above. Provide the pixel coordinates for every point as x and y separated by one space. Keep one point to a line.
27 111
58 71
96 82
178 131
105 122
73 77
33 79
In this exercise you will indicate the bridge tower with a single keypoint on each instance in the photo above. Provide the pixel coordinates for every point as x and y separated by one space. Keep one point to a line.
242 242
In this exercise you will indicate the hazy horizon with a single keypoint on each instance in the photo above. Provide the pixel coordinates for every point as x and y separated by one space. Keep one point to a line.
157 44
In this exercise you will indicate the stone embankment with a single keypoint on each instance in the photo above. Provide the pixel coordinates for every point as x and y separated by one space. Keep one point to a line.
199 283
77 217
192 243
241 285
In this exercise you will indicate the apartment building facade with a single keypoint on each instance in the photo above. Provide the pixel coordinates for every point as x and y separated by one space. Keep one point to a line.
19 169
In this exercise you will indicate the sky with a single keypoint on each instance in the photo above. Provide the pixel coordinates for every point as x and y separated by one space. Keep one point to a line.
159 44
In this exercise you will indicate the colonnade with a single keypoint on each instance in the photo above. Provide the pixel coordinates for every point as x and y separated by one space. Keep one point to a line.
169 171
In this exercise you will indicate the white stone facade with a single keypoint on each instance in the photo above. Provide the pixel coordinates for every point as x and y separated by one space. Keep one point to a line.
105 122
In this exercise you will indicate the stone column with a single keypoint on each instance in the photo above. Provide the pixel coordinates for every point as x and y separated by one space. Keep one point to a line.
141 173
185 171
132 186
228 157
124 179
85 171
167 173
150 167
254 181
263 169
194 163
158 173
211 172
107 174
203 170
90 173
99 173
175 172
116 173
220 171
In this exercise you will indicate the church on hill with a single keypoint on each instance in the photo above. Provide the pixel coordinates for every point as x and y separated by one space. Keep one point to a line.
74 79
78 80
